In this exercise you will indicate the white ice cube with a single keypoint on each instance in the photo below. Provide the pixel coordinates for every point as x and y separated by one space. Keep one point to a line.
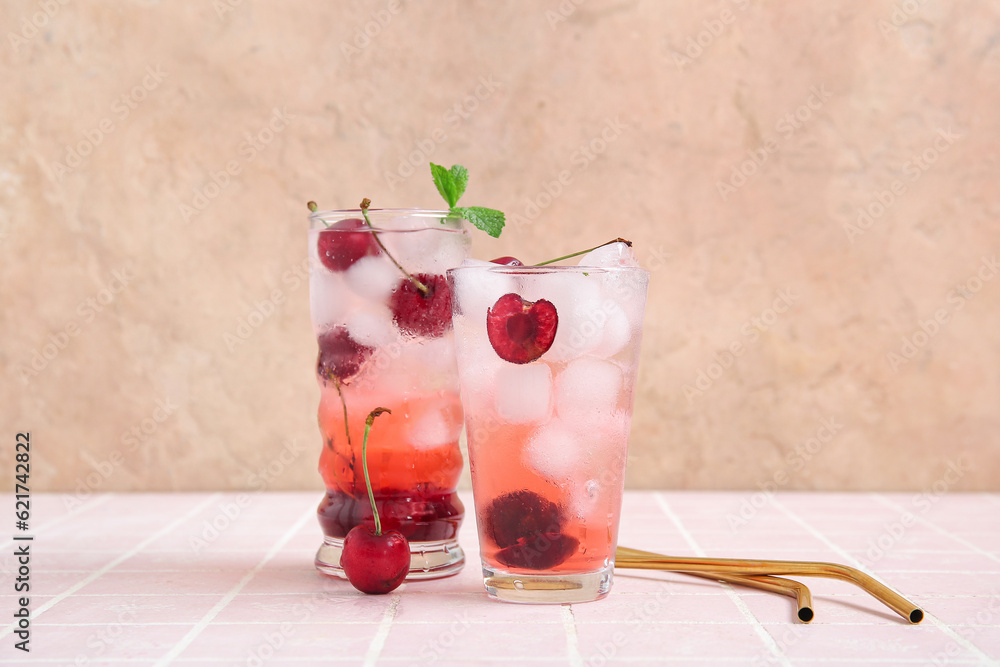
428 250
555 451
372 325
373 277
437 427
587 393
327 299
578 301
477 291
523 392
617 331
610 255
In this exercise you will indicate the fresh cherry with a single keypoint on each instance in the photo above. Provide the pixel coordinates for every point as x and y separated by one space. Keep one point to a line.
507 260
340 356
528 530
375 564
374 561
521 331
420 314
345 242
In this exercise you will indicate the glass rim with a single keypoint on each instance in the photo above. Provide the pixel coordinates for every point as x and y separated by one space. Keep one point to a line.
549 268
318 219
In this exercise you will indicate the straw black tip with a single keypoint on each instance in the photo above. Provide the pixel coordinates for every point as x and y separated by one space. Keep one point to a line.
805 614
916 616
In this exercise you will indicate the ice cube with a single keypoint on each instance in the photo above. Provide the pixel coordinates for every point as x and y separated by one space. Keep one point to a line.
440 425
578 302
610 255
477 291
617 331
327 299
555 451
523 393
373 278
427 250
372 325
587 392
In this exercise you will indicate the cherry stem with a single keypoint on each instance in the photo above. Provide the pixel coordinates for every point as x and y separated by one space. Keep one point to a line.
364 463
423 289
584 252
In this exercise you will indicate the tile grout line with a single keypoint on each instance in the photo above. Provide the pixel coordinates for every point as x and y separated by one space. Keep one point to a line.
210 615
930 524
72 514
121 559
938 623
572 637
378 641
758 628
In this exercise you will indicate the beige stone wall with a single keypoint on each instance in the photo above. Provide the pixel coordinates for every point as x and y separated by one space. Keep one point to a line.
117 115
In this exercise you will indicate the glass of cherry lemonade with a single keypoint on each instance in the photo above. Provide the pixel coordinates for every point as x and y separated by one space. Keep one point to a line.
547 360
385 343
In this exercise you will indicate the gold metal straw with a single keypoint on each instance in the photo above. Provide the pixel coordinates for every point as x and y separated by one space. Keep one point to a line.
765 582
647 560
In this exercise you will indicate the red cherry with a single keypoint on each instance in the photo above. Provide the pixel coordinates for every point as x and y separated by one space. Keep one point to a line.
521 331
375 564
422 315
345 242
527 528
507 261
340 356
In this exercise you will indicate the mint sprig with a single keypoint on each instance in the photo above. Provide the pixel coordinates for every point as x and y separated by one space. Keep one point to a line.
451 184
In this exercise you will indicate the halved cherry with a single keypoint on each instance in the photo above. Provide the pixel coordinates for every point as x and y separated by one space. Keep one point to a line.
345 242
340 356
507 260
422 314
521 331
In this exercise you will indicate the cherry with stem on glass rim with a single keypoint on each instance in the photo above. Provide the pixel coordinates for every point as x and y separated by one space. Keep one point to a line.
375 562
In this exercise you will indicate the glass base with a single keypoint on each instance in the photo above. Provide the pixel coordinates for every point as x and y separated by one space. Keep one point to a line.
554 588
428 560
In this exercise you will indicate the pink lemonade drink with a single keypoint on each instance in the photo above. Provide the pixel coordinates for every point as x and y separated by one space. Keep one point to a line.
547 360
383 343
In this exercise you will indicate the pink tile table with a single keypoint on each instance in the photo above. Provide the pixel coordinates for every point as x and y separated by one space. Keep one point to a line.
220 579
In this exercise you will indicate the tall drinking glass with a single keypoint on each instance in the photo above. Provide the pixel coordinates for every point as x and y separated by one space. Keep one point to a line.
548 436
384 343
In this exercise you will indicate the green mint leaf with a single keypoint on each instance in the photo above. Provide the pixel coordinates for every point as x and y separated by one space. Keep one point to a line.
460 177
445 184
489 220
